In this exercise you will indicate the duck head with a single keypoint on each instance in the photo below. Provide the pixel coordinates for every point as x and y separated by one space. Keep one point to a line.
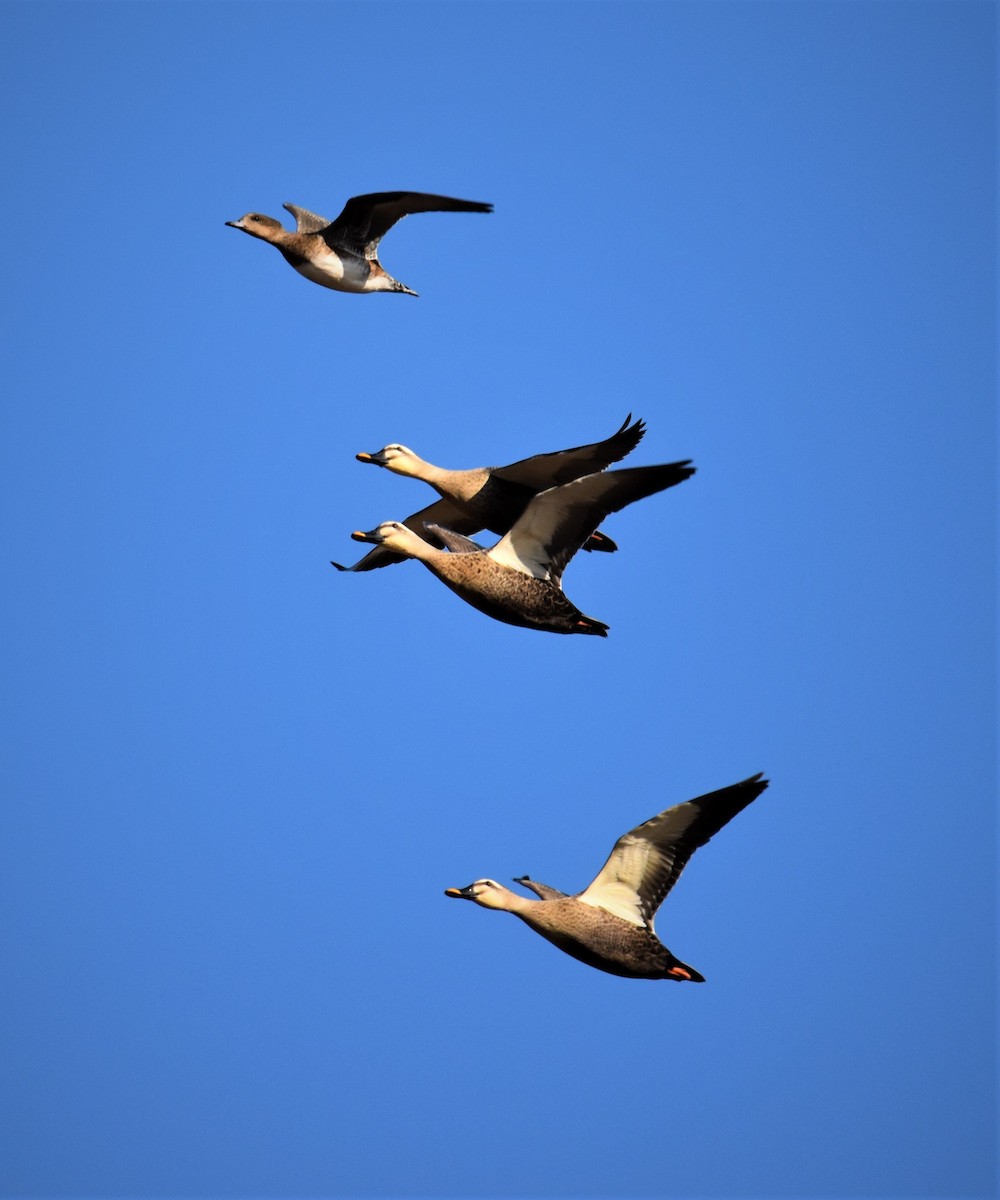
487 893
396 458
258 226
394 535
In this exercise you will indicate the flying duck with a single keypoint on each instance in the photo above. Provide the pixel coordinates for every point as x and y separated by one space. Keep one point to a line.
494 497
519 580
343 254
609 925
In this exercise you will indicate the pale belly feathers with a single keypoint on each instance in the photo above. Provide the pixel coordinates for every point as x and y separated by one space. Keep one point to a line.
343 275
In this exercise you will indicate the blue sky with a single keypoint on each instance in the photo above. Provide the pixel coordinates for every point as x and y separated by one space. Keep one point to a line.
237 782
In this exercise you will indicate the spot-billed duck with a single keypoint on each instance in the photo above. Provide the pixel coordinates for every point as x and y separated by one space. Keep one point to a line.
494 497
519 580
609 925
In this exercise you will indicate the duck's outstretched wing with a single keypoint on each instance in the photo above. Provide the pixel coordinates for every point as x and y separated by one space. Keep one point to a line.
541 890
456 542
442 511
557 522
306 221
366 219
543 471
647 861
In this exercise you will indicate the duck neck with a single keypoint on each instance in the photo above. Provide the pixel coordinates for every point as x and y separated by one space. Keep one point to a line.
416 547
517 904
285 238
416 467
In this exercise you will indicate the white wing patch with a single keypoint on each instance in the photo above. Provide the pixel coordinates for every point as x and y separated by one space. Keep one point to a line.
526 556
618 886
528 546
616 898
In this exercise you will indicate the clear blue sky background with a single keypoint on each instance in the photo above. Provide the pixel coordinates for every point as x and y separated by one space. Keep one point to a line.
237 783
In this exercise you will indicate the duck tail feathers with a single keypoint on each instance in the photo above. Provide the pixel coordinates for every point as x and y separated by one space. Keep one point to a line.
600 541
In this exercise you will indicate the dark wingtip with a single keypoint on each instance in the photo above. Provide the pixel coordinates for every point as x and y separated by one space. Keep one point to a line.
637 429
624 440
453 204
339 566
681 471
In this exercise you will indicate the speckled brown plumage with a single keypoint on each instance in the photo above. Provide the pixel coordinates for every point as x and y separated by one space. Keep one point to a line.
510 596
604 941
519 580
609 925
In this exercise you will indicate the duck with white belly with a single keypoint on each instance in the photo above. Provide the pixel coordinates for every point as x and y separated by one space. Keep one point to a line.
343 254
